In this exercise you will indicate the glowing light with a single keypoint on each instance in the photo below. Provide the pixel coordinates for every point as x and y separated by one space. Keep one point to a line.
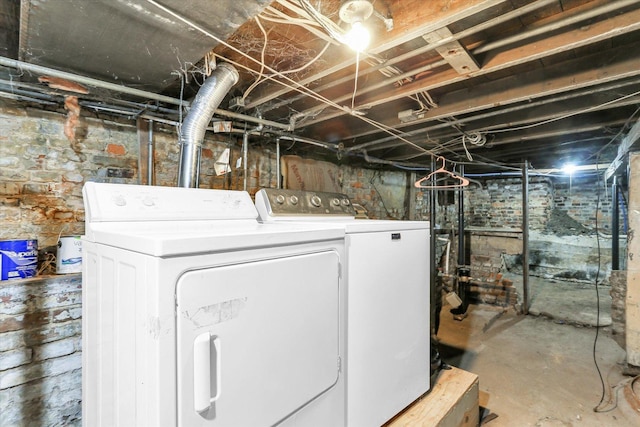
358 37
569 168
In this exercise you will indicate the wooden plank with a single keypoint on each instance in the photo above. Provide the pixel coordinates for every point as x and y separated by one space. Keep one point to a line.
501 60
453 52
627 143
412 18
453 402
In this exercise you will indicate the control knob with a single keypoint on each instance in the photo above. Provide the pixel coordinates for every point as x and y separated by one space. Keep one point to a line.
316 201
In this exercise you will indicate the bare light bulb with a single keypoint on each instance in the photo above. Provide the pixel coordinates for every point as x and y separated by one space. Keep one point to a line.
358 37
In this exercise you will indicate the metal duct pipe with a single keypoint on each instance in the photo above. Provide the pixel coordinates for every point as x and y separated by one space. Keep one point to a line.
204 105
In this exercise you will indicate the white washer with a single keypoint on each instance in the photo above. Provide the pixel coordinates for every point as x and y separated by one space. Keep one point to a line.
195 314
387 269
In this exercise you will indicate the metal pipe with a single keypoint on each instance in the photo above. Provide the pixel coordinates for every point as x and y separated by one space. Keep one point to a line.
8 62
257 120
245 157
435 304
461 248
150 165
525 237
202 109
278 184
615 226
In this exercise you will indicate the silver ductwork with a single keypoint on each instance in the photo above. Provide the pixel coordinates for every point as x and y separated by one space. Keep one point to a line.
193 128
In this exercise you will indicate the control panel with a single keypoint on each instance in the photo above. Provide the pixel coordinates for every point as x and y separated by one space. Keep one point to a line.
278 202
106 202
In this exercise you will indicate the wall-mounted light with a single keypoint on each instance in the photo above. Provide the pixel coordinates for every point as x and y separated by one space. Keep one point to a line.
355 12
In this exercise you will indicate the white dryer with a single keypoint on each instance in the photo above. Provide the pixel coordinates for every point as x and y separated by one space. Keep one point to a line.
387 270
195 314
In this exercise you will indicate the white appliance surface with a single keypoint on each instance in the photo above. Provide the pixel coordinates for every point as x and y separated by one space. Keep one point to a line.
387 269
201 316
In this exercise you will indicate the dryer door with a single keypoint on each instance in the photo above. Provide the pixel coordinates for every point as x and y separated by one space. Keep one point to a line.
256 341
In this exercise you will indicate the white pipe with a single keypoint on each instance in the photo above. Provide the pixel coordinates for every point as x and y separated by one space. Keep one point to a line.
150 166
245 157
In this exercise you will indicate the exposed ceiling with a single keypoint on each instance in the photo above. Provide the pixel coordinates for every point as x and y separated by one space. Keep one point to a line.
480 81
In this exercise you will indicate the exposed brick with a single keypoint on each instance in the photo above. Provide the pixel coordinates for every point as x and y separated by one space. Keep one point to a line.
45 176
10 188
116 149
47 368
39 188
14 358
57 349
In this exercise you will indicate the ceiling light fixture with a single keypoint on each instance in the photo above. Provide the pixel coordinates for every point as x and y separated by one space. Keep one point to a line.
355 12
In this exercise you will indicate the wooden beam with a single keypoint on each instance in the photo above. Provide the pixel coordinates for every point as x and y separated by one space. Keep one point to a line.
628 143
412 19
531 111
532 51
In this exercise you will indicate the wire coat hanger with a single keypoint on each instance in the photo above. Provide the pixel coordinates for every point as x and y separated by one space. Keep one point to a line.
461 181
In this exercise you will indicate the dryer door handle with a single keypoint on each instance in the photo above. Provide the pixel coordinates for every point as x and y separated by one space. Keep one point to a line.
202 375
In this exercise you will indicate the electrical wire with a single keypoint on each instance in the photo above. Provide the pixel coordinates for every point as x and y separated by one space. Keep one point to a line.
574 113
622 129
355 82
262 60
595 341
293 85
389 215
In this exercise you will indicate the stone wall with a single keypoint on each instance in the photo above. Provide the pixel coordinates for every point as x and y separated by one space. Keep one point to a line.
42 172
40 351
382 194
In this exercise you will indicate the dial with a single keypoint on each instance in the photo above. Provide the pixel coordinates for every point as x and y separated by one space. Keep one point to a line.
119 200
345 202
335 201
293 200
316 201
280 199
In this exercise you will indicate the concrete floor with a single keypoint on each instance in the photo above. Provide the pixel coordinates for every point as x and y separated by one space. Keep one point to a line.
538 370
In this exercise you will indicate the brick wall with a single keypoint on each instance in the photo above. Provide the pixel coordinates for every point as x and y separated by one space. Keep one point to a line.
40 351
579 197
499 203
382 194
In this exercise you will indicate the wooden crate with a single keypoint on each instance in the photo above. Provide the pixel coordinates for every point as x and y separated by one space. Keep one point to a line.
452 402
